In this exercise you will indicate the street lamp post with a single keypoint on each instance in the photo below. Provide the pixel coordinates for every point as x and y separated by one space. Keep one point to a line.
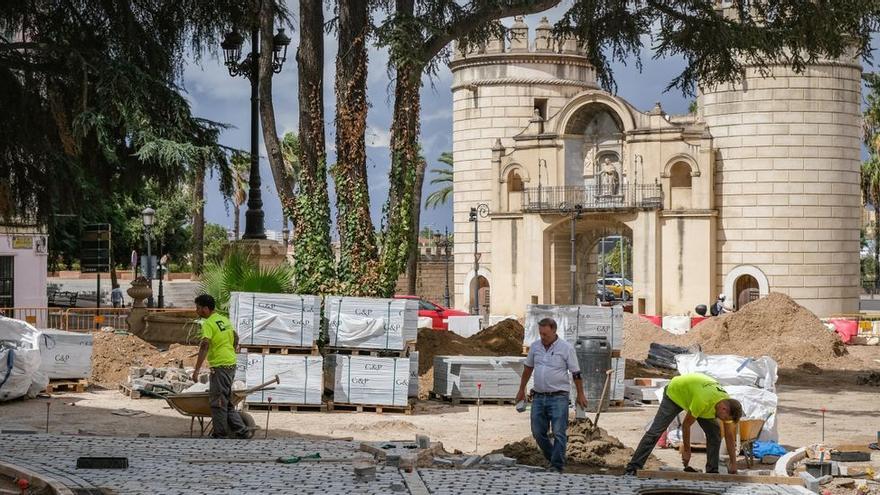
481 210
443 243
285 234
254 227
148 215
576 214
161 270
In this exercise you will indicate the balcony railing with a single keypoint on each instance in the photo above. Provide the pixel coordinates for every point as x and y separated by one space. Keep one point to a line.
593 198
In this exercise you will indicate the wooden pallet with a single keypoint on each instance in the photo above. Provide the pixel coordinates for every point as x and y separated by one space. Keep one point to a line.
281 349
490 401
77 386
376 408
130 392
284 407
347 351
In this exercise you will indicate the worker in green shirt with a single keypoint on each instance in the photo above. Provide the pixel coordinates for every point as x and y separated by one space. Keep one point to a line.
218 345
706 403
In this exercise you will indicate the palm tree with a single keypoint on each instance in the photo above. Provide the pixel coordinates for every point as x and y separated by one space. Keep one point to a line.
241 167
871 196
443 175
239 271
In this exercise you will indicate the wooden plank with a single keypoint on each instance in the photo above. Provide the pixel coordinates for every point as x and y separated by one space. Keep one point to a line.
729 478
280 349
348 351
377 408
77 386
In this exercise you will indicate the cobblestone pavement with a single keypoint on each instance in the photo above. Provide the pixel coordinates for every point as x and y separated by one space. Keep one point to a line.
163 466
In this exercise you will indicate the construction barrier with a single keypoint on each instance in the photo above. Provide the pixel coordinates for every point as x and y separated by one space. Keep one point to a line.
78 319
657 320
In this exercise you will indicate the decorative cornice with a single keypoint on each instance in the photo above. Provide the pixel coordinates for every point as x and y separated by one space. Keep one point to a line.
519 57
525 82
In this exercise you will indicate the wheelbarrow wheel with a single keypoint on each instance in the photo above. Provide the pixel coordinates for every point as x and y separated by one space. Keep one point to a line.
248 421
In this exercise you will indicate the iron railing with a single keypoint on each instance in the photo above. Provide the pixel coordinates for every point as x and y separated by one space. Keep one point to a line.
593 198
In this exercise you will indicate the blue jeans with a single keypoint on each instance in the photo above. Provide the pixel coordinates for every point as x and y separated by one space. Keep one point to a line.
547 411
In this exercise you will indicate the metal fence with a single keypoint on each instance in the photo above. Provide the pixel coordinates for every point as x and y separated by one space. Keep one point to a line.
79 319
592 198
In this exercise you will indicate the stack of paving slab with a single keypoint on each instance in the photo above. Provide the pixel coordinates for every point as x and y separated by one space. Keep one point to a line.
371 323
368 380
65 355
289 320
301 378
643 390
456 377
574 321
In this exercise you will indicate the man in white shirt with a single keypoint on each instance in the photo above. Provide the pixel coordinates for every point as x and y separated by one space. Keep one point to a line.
551 359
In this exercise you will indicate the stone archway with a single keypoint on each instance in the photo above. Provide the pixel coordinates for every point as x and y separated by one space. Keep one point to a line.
745 277
479 287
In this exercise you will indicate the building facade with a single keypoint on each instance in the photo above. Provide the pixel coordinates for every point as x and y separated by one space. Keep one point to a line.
756 191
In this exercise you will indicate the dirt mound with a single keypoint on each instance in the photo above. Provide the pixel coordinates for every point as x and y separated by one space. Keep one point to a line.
502 339
588 449
774 325
113 354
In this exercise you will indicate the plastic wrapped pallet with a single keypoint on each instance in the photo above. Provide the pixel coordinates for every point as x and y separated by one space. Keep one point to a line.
414 374
369 323
65 354
275 319
368 380
576 321
458 376
20 372
19 333
301 378
465 326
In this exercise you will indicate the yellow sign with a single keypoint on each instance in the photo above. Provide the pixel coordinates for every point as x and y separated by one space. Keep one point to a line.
22 242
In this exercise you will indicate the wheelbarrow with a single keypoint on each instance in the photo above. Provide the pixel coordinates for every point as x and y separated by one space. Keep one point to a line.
749 430
197 406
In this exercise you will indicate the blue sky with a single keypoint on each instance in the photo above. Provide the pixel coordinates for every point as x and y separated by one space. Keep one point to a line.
217 96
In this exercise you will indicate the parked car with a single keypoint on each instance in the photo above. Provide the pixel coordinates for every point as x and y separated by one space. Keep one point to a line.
437 313
603 294
617 286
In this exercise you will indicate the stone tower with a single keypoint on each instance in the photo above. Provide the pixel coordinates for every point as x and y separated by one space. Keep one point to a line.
497 90
787 183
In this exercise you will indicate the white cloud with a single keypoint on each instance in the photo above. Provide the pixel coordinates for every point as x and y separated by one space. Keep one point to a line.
378 138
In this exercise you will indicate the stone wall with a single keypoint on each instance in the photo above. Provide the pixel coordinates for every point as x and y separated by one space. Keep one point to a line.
431 280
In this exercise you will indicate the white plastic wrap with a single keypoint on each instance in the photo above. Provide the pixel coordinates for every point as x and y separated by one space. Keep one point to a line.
458 376
678 325
301 378
426 322
368 380
20 373
369 323
65 354
19 333
464 325
731 370
275 319
576 321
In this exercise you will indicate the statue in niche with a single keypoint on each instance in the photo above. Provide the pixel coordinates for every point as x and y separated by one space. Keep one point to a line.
610 178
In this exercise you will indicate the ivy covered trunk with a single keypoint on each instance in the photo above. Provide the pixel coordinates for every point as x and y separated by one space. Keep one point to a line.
400 236
357 265
310 207
412 264
283 176
198 219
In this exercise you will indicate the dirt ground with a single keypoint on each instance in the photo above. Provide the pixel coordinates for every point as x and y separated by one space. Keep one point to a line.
852 417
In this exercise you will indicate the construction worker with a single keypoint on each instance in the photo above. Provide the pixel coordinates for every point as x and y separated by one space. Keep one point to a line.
706 403
551 358
218 345
719 308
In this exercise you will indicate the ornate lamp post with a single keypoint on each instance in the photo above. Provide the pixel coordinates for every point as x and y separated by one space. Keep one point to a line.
148 215
254 227
444 244
481 210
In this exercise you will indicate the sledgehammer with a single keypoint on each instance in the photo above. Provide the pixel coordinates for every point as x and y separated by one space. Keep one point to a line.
602 399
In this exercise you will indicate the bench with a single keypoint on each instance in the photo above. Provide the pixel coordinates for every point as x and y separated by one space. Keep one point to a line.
62 299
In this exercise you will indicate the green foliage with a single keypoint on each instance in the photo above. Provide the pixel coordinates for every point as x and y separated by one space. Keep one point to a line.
239 271
443 175
216 242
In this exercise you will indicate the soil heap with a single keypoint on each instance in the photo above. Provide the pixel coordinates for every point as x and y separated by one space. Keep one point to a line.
588 450
774 326
113 354
502 339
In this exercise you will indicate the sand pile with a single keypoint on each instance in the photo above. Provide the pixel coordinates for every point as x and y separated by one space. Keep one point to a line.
502 339
775 326
113 354
588 449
